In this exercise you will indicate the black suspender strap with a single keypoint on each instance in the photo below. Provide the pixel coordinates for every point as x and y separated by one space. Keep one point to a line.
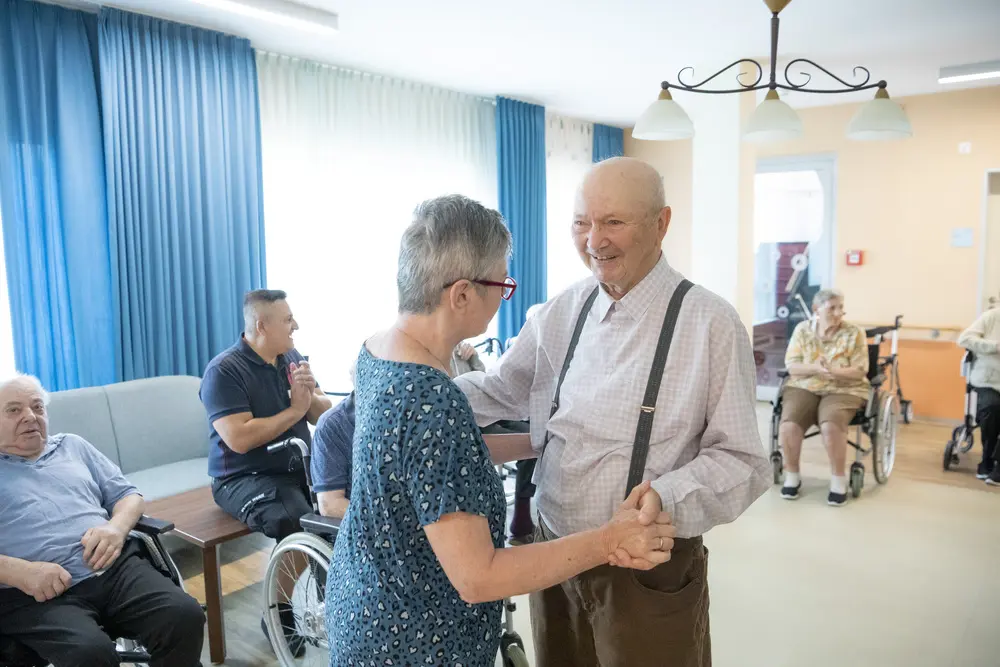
643 430
573 342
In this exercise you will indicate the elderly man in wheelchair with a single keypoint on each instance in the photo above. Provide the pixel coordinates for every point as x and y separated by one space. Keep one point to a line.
71 578
833 381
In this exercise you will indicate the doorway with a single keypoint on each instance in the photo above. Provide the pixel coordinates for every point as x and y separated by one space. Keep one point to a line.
793 243
989 261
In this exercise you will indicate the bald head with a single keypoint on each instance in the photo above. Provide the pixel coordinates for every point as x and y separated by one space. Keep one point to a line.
620 219
632 183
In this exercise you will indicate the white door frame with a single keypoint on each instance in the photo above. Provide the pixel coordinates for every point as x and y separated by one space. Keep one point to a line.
825 165
983 232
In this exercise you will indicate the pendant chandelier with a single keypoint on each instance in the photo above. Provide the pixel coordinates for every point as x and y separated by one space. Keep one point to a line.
774 119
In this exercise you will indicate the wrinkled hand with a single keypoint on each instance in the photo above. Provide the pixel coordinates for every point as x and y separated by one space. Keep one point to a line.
465 351
822 370
643 534
102 545
44 581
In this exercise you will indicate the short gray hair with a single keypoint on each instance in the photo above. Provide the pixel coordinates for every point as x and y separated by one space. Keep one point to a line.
252 302
825 295
26 380
451 238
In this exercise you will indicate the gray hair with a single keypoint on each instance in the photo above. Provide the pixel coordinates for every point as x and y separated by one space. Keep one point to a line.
825 295
25 380
451 238
252 302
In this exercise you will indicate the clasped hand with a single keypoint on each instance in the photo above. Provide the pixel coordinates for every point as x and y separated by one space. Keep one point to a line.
641 533
303 385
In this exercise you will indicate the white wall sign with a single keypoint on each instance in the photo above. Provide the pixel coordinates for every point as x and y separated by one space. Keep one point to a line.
961 237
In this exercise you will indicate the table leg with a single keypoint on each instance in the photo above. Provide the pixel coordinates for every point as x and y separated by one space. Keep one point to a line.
213 600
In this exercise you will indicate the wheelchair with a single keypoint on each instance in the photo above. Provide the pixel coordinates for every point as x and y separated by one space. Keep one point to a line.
147 533
963 437
878 419
314 545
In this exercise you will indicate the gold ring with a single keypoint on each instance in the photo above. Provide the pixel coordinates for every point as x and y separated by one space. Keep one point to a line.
661 543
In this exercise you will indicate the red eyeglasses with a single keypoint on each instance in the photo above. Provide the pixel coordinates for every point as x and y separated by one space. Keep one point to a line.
509 285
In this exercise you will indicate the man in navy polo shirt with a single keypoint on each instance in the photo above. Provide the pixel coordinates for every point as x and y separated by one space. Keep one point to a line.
259 391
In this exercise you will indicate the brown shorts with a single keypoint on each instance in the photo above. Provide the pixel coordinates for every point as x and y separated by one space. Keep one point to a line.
807 409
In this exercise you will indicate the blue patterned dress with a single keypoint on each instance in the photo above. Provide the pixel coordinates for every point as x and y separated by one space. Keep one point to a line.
418 455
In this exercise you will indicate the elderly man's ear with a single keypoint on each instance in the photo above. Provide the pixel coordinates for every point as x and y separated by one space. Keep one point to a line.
663 220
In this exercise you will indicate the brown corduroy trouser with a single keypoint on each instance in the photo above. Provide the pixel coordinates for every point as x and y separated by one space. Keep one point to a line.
616 617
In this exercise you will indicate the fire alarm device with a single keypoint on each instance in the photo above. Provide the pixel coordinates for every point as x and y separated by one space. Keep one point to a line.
855 257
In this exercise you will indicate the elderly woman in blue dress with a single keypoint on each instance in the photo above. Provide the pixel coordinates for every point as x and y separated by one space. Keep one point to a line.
419 568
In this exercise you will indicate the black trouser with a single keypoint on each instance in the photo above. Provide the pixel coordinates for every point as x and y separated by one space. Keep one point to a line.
267 503
523 488
988 417
132 599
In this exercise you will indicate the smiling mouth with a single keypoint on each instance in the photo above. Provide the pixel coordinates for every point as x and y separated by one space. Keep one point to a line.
604 260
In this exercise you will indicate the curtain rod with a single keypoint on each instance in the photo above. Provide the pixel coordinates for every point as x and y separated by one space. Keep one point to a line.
351 70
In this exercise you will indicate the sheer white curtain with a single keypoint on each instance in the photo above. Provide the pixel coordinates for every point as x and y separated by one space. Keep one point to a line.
569 145
346 158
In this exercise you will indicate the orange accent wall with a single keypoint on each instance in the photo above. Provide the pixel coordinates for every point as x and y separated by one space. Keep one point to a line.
929 375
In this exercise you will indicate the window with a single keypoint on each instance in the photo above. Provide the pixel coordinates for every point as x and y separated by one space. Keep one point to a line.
346 158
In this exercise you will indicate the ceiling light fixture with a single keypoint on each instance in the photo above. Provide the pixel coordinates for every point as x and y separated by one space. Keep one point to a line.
774 120
963 73
288 14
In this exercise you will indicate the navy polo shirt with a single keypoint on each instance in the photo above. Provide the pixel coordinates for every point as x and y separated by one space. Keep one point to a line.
238 380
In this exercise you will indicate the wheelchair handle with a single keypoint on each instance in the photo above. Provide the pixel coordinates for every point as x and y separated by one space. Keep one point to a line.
276 447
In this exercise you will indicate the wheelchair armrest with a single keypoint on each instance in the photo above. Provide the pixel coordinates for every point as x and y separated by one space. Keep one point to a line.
783 373
151 526
319 524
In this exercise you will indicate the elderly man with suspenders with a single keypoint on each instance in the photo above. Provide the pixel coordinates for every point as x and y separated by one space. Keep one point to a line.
631 375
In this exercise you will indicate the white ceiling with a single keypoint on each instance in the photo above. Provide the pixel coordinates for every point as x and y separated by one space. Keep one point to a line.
603 60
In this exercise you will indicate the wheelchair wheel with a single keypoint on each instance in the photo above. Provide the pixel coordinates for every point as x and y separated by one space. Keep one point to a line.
950 457
777 466
906 410
307 598
857 479
515 657
512 650
967 440
884 438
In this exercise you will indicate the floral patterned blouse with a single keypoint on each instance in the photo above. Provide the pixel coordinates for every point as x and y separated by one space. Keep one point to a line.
846 348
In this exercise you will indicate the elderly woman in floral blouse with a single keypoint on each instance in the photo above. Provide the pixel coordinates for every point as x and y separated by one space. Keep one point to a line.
827 359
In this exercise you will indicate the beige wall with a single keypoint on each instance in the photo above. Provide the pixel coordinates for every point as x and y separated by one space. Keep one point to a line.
896 201
899 202
673 160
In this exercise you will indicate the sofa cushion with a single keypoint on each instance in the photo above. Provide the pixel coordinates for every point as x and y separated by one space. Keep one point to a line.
172 478
85 412
158 421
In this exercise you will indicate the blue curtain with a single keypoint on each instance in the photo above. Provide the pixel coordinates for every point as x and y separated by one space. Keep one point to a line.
52 196
521 185
608 142
185 209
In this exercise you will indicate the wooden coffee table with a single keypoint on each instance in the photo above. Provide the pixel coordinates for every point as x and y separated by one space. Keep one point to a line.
199 521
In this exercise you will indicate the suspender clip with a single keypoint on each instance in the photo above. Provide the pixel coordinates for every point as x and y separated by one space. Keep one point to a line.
648 408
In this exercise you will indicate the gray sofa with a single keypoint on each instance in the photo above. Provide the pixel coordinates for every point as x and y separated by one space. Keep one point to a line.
155 430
